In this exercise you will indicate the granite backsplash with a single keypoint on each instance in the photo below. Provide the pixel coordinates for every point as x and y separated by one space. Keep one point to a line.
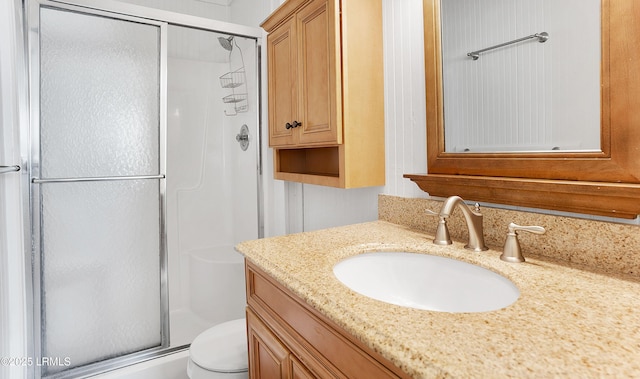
596 245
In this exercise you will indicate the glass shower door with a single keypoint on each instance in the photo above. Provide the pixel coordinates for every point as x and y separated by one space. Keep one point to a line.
97 188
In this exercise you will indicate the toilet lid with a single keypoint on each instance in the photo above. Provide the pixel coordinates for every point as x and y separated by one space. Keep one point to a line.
222 348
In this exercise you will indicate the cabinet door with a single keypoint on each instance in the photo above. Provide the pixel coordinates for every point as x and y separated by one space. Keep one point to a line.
299 371
319 73
268 357
283 93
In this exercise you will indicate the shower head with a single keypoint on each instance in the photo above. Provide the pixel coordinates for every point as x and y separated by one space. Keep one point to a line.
227 43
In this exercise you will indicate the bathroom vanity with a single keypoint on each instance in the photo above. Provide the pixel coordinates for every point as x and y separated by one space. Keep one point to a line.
290 339
303 322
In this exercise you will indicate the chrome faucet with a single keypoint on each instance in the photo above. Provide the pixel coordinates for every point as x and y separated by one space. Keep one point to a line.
474 224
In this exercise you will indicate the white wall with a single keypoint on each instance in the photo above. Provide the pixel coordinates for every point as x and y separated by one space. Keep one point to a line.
252 12
213 9
405 103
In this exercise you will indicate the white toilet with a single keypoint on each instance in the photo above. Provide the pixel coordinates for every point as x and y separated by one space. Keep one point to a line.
220 352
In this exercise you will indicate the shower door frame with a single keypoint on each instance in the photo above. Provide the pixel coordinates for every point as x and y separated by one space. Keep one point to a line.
32 12
127 12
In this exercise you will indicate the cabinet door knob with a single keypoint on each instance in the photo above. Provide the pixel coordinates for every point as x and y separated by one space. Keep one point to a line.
291 126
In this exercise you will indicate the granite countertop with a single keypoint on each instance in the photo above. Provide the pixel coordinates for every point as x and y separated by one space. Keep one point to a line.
568 322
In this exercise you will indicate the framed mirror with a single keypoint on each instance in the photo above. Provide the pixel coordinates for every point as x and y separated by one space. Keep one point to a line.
604 181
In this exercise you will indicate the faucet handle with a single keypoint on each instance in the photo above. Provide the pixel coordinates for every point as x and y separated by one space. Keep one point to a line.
512 251
513 228
442 231
429 212
442 236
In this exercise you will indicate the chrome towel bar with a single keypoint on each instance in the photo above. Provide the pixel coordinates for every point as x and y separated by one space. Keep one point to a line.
542 37
7 169
95 179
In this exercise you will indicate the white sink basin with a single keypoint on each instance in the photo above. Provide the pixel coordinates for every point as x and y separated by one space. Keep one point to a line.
426 282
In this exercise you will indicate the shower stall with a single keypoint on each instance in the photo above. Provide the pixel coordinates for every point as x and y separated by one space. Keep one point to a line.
142 171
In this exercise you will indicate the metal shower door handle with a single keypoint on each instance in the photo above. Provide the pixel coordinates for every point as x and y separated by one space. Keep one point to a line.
7 169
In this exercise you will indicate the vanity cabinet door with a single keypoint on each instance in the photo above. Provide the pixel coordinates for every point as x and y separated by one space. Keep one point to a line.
268 357
299 371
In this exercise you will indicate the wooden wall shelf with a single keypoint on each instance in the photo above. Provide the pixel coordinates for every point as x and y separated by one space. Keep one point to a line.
619 200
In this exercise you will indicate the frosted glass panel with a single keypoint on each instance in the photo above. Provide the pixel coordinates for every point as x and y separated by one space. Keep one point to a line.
100 269
99 96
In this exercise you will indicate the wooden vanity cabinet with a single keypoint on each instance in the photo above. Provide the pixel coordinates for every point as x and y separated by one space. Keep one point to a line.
270 358
325 92
290 339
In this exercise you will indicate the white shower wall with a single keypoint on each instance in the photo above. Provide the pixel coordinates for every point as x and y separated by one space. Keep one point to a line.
211 185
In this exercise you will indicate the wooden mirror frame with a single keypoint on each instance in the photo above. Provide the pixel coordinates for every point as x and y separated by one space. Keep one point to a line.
603 183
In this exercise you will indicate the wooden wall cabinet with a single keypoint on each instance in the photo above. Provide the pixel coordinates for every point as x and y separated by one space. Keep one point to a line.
325 95
290 339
